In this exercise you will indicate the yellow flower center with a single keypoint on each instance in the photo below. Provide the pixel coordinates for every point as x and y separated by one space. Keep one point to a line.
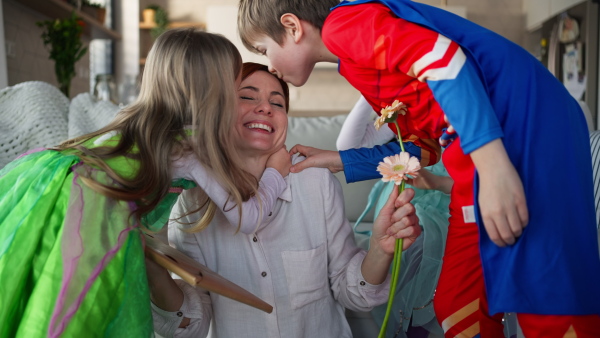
399 167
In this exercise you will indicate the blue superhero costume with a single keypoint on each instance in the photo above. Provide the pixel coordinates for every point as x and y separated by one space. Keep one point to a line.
502 91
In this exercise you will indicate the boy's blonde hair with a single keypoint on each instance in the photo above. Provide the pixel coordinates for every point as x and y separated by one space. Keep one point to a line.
188 80
261 17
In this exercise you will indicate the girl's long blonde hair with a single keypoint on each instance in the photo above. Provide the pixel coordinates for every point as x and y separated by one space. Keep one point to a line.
188 80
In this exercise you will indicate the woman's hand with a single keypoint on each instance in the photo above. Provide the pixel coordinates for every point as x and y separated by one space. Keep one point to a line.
318 158
429 181
397 219
280 161
501 197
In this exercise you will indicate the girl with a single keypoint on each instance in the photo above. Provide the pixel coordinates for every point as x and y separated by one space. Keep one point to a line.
71 254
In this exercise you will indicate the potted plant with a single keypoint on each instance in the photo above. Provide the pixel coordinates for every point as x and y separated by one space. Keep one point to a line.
63 38
161 20
95 10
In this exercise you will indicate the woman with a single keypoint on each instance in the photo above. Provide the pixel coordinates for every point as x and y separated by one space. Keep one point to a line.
303 261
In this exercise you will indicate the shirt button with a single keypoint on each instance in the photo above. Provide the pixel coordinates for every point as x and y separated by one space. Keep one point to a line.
254 239
264 274
179 314
362 282
271 213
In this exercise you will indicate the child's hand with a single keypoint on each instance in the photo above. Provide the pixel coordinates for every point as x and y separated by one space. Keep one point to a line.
429 181
501 196
317 158
397 219
280 161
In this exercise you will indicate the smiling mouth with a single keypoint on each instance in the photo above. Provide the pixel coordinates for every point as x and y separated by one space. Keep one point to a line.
260 126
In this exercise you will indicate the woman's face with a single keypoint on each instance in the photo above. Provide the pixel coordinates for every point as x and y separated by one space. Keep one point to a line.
262 119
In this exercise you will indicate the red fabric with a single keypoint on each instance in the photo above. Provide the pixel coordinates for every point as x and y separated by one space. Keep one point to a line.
377 52
559 326
460 301
461 280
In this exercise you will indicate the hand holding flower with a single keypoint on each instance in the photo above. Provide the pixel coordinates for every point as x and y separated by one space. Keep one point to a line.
397 219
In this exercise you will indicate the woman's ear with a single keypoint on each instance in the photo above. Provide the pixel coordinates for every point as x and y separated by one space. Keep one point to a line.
292 25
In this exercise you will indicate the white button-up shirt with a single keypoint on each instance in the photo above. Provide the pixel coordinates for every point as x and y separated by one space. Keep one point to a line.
303 262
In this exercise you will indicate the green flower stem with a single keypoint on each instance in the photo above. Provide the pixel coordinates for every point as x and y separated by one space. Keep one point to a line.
397 259
400 141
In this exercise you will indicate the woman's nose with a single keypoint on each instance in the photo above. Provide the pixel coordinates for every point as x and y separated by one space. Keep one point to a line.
263 107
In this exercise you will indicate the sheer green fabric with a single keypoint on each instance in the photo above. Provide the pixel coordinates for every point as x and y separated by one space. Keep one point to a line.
71 261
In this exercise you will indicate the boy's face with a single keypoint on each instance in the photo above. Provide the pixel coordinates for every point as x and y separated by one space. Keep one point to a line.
291 61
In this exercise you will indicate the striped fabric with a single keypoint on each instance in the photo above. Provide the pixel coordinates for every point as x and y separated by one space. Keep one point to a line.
595 144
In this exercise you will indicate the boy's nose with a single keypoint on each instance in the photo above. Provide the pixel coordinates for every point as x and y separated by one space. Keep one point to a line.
272 70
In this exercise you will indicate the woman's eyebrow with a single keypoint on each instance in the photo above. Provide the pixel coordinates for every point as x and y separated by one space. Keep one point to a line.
277 93
250 87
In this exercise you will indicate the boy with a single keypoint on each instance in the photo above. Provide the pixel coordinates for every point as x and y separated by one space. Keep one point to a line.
511 247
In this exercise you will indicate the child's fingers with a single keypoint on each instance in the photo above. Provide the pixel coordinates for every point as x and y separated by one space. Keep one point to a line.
307 163
493 233
298 148
515 224
523 213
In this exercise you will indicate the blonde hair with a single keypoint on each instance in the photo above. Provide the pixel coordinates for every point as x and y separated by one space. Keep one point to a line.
189 79
261 17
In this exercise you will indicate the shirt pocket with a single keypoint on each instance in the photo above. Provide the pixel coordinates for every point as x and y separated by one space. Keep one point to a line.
306 274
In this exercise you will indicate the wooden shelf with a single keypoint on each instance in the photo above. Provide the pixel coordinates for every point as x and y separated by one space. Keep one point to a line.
176 24
60 9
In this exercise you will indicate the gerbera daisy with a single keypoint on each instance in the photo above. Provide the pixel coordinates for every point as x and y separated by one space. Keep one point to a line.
389 112
396 167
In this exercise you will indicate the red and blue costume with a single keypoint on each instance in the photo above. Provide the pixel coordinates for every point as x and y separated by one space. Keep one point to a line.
440 64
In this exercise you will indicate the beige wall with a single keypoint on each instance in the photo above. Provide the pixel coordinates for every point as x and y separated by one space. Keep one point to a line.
27 58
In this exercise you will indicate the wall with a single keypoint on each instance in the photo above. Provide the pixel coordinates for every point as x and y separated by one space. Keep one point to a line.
505 17
27 58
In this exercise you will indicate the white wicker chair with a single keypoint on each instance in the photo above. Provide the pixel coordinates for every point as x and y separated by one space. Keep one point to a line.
37 115
32 115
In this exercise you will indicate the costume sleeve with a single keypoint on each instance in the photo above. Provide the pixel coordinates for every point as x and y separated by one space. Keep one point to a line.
361 164
372 36
254 211
345 258
358 129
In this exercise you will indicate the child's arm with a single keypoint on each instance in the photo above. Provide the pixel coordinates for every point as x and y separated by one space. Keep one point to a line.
358 164
358 129
254 212
430 181
501 197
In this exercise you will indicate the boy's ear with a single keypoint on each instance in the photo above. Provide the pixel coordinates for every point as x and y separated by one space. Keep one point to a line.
292 25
